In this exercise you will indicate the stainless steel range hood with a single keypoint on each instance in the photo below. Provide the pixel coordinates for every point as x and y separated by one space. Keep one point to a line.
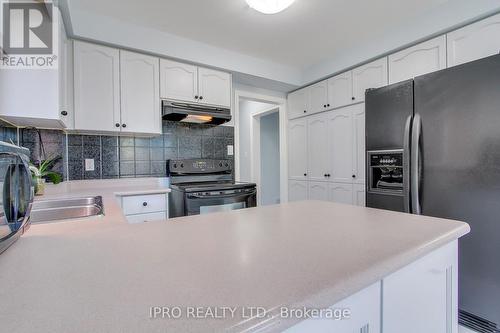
195 113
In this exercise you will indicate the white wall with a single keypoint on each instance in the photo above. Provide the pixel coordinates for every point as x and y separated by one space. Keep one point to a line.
247 110
270 159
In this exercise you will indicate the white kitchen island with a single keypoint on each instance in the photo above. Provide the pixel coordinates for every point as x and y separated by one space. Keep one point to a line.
383 269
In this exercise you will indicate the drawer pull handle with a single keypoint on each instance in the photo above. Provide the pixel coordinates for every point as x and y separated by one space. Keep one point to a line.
144 203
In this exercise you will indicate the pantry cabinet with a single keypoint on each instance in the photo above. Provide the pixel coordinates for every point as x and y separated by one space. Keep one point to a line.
317 157
340 145
298 103
369 76
318 96
297 149
420 59
340 90
297 190
318 191
193 84
475 41
97 87
140 93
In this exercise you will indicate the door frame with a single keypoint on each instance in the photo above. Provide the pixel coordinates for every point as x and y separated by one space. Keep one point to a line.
281 104
255 156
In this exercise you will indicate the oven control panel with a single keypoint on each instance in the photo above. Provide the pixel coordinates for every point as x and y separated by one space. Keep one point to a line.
198 166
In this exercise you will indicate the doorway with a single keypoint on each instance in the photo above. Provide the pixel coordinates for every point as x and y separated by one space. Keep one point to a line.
260 145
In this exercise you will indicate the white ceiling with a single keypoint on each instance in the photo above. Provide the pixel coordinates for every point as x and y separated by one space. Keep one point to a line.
309 32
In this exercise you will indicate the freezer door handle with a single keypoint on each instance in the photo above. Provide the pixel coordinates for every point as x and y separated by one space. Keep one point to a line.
406 165
415 164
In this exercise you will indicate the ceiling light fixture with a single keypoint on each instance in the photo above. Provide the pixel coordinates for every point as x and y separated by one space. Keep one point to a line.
269 6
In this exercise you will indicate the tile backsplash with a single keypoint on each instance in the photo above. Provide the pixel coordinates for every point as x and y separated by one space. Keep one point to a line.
121 157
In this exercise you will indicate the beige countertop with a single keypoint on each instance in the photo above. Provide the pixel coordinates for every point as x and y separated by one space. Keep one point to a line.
103 275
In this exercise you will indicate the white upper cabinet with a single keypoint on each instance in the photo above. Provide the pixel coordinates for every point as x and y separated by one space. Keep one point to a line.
317 161
140 93
178 81
297 149
214 87
340 90
417 60
339 145
372 75
298 103
297 190
475 41
359 137
340 193
318 94
97 87
318 191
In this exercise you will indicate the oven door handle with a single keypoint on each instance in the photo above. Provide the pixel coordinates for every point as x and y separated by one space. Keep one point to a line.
232 195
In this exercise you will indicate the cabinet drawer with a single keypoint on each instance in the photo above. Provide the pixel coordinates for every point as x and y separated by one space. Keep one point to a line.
140 218
141 204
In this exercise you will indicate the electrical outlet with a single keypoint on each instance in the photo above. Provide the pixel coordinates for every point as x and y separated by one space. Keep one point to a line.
89 164
230 150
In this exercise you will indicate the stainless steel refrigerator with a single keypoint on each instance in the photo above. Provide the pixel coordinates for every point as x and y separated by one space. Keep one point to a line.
433 148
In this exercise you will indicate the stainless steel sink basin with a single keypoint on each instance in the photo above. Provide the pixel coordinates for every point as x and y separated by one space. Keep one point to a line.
53 210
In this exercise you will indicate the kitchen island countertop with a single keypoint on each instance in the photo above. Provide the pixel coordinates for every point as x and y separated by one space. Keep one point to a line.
93 276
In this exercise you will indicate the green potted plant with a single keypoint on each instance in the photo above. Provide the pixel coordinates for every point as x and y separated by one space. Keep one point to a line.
43 172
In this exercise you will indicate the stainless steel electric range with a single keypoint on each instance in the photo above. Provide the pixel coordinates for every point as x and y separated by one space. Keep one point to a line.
201 186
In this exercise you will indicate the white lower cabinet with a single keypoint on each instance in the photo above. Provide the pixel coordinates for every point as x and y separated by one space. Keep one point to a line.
297 190
144 208
340 193
364 315
318 191
420 297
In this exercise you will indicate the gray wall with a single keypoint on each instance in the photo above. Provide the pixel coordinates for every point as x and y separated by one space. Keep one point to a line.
270 159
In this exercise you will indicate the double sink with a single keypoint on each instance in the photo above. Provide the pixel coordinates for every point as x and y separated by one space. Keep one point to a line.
45 211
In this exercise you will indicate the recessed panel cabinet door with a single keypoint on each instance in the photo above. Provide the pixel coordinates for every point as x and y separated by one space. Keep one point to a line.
178 81
297 149
298 103
317 161
369 76
297 190
426 57
340 90
318 97
214 87
475 41
340 145
97 87
359 138
318 191
140 93
340 193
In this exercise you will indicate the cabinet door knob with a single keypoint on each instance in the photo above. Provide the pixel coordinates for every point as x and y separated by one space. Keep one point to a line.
353 98
144 203
117 125
64 113
201 97
124 125
196 97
